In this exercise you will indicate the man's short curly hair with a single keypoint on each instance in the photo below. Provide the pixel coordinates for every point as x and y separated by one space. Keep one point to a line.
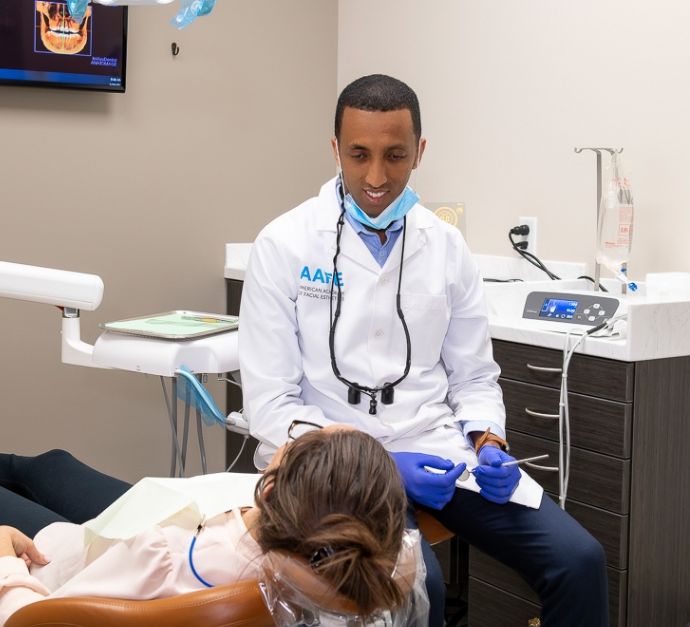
378 92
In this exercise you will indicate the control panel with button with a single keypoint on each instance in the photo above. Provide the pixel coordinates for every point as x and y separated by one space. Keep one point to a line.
585 308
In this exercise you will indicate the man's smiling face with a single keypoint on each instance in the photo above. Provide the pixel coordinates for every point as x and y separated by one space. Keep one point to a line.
378 151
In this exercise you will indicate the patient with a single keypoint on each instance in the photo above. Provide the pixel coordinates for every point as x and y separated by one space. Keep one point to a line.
331 500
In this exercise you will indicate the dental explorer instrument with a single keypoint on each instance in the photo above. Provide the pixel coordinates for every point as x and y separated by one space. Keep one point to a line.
466 474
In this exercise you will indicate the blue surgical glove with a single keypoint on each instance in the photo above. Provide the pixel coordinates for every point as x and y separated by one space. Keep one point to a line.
497 482
425 487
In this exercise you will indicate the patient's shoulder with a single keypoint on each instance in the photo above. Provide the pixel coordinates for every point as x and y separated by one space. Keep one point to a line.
63 544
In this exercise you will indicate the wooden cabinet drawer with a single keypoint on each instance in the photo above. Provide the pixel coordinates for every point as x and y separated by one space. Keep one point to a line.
610 529
596 424
593 376
491 607
505 581
595 479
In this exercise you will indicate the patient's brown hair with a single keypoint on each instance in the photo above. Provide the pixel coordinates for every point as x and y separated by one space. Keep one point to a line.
336 499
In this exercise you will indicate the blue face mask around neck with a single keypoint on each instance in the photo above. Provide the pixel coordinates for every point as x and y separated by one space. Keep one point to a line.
396 210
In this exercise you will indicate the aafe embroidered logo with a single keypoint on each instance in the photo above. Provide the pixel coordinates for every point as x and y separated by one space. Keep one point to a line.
319 276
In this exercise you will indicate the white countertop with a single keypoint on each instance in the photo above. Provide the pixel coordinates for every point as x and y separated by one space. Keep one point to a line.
236 258
656 327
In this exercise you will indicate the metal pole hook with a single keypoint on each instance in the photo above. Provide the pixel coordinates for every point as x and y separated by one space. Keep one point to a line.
598 150
174 48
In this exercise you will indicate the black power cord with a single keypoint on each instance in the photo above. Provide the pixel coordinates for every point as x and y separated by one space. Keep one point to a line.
519 248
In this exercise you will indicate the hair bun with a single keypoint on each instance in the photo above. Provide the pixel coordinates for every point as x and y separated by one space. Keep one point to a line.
336 499
349 556
344 532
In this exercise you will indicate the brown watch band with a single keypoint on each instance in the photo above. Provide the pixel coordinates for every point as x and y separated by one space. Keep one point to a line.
488 437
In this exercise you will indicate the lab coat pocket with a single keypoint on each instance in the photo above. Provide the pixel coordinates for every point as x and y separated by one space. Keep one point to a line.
427 317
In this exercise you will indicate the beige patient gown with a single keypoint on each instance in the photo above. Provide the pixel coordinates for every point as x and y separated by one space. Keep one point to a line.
152 564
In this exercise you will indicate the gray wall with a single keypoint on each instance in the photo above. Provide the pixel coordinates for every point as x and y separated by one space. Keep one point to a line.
144 189
508 89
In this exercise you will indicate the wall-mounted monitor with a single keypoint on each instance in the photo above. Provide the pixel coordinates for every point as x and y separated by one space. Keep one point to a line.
40 44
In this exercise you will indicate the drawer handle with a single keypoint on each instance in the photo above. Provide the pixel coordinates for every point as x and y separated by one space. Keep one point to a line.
538 414
544 369
540 467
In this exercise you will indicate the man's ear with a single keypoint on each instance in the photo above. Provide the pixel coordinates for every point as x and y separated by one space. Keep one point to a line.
420 152
336 154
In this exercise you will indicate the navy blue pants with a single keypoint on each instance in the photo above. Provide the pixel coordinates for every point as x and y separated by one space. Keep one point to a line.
555 555
52 487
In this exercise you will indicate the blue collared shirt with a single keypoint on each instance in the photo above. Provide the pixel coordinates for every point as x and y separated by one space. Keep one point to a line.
371 239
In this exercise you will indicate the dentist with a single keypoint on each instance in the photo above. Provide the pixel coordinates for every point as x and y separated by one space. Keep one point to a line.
361 307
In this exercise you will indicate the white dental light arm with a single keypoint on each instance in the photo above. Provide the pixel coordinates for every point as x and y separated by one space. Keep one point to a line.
71 291
52 287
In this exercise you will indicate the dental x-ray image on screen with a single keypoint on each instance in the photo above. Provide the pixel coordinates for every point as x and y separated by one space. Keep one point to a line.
42 44
57 33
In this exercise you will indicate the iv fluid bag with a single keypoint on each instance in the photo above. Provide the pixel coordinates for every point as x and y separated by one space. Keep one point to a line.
614 231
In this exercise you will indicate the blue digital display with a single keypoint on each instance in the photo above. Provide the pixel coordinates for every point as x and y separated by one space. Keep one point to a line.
557 308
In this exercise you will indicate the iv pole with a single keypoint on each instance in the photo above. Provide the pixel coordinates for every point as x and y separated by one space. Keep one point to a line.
597 150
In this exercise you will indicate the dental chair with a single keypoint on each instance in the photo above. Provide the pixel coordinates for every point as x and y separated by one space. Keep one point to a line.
238 604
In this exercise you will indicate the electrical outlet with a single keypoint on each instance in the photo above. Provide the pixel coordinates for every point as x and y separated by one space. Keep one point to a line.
530 238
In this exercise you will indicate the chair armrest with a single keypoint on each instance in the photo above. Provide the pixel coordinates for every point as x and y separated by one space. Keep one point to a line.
230 605
432 530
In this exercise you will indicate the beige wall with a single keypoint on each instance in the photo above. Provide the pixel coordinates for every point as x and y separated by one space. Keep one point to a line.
508 89
144 189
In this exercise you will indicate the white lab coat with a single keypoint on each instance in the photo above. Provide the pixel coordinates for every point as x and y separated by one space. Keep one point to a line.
283 341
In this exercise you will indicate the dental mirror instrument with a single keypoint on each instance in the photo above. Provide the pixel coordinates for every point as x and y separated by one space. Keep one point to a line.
466 474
